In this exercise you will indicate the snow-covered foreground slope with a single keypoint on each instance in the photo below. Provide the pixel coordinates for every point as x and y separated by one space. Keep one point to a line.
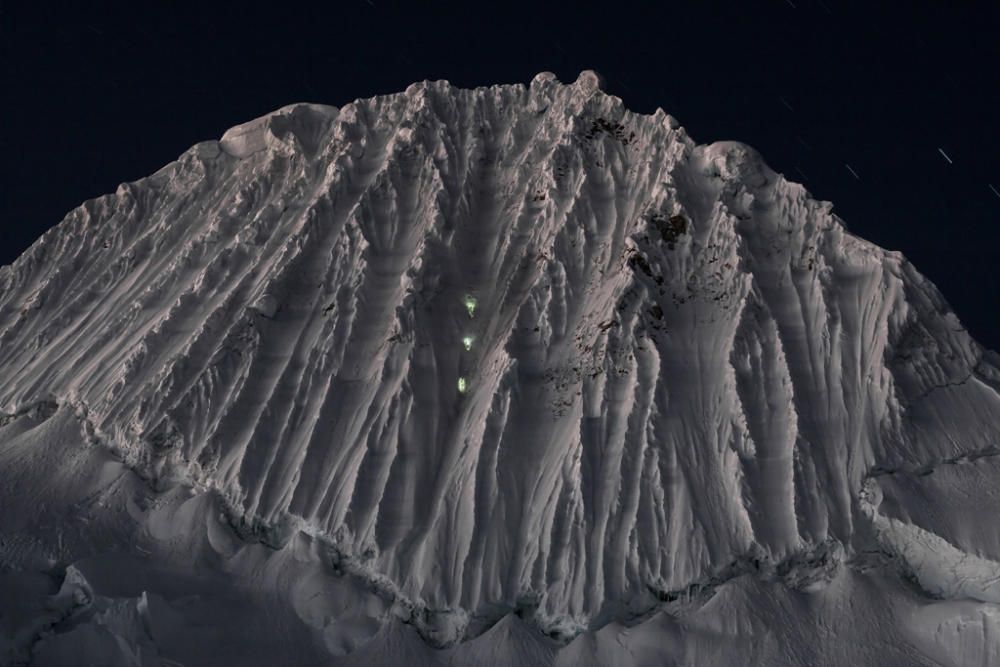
389 372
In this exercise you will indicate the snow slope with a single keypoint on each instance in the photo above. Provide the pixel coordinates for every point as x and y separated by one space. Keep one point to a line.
506 349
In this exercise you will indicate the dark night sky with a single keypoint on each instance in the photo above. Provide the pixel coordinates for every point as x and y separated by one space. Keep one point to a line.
94 97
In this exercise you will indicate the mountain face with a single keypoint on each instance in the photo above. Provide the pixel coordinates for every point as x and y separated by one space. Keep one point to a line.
507 349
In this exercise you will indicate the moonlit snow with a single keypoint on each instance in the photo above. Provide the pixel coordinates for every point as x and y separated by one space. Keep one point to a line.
504 376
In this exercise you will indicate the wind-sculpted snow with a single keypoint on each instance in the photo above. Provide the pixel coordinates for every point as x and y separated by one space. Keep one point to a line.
510 347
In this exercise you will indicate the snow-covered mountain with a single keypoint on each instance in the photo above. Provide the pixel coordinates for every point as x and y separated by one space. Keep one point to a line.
392 371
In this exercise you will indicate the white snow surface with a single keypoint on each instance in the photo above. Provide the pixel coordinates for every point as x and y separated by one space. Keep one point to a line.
510 375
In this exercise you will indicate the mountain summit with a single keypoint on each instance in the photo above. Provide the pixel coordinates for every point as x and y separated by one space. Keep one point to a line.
399 369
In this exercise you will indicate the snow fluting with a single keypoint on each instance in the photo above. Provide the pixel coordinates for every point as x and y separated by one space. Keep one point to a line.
512 352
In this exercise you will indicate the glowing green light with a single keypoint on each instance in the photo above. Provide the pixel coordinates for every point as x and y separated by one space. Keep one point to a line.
470 304
461 385
467 342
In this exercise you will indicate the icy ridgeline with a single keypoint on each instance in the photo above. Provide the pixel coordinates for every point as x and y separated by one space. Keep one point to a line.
507 347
